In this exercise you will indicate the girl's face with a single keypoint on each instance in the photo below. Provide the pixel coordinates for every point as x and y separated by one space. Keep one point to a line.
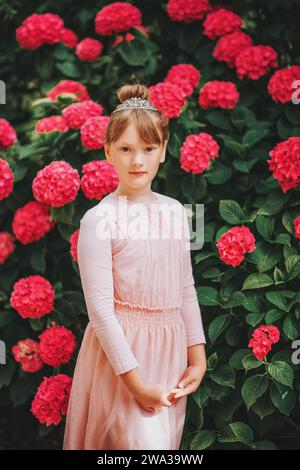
129 154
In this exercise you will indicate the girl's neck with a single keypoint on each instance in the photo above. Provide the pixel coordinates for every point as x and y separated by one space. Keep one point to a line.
146 197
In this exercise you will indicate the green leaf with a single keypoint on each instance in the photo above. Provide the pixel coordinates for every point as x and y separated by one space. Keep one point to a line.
281 372
193 187
220 173
287 221
283 398
250 362
282 239
257 281
263 406
254 318
134 53
243 432
219 119
253 302
174 146
224 375
236 360
208 295
212 361
235 148
69 69
265 256
37 324
277 299
290 327
292 265
202 256
272 316
252 137
236 299
232 212
241 117
63 214
33 150
265 226
203 440
217 326
253 388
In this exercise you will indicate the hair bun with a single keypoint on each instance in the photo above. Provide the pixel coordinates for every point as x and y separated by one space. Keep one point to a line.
135 90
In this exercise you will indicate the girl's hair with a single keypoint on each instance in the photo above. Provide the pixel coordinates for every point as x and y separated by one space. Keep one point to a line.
152 126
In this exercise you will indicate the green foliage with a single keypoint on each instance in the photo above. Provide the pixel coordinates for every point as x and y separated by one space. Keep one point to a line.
242 402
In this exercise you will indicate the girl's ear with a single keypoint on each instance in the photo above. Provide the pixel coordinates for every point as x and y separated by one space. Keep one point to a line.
106 151
163 156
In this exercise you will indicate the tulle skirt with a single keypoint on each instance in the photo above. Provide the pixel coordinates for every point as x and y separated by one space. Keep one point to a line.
102 413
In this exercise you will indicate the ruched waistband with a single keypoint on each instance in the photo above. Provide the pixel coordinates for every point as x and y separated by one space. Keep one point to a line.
149 314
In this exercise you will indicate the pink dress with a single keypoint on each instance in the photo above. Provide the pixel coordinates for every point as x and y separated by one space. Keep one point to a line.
143 312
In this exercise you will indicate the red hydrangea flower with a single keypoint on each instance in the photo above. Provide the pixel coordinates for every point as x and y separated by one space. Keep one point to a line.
297 227
31 222
197 152
186 76
7 246
233 245
68 37
56 184
117 17
230 45
69 86
168 98
262 340
39 29
280 85
221 22
32 296
93 132
187 11
57 345
8 135
50 124
77 113
73 243
52 398
285 163
27 352
6 179
255 61
89 49
99 178
216 94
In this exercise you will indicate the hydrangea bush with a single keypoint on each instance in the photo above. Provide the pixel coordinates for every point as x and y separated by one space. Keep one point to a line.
226 74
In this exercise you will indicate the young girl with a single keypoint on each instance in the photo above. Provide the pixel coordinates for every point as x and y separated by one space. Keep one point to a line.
143 350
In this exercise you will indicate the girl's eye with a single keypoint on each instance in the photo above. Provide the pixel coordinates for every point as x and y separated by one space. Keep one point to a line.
122 148
151 148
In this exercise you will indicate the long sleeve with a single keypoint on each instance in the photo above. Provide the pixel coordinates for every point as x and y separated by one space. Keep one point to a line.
190 309
95 267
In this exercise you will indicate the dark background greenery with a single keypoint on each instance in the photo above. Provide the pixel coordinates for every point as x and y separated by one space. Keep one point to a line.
237 189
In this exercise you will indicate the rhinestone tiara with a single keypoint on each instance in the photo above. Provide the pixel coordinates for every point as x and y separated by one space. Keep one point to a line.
135 102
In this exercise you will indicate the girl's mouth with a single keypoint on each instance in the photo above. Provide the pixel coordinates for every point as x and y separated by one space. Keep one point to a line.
137 173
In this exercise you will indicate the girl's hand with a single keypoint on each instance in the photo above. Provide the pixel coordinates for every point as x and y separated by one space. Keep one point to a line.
189 382
153 398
